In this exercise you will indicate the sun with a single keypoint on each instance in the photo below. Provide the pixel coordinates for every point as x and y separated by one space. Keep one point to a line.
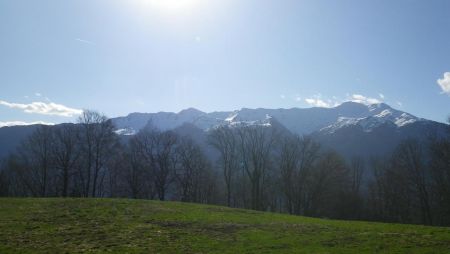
171 5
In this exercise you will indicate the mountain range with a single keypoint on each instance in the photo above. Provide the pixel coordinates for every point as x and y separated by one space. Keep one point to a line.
352 129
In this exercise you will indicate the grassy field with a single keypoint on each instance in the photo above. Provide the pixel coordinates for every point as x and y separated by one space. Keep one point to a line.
139 226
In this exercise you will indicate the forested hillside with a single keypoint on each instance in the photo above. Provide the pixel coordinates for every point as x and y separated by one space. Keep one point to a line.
258 166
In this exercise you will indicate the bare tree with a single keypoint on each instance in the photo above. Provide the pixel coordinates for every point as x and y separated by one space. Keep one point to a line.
192 171
440 173
408 160
137 172
98 139
328 182
395 191
224 140
34 162
297 157
376 200
4 181
165 161
356 171
15 180
65 153
256 148
159 152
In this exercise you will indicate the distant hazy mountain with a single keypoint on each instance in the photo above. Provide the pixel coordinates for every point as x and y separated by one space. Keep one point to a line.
10 137
298 121
353 129
350 128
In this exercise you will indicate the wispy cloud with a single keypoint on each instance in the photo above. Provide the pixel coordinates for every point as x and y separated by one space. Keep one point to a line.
38 94
85 41
315 102
444 83
44 108
14 123
363 99
381 96
319 101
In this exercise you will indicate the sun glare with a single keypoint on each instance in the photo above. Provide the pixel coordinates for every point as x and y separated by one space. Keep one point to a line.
171 5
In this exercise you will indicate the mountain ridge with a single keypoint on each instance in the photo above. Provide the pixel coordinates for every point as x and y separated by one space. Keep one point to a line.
352 129
300 121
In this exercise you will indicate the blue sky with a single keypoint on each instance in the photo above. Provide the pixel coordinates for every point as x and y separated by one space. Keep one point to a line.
58 57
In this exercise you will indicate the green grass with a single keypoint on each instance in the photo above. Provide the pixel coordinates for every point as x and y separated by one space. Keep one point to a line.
139 226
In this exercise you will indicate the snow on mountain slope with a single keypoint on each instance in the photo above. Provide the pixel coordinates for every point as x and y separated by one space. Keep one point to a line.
386 116
296 120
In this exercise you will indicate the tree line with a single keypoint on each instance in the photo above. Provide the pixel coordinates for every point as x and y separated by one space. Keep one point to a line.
254 167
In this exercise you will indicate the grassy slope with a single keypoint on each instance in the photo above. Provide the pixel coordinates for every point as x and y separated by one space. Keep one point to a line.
138 226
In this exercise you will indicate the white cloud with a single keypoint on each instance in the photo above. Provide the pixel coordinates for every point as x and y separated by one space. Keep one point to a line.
298 98
444 83
14 123
319 101
363 99
38 94
316 102
381 96
282 96
44 108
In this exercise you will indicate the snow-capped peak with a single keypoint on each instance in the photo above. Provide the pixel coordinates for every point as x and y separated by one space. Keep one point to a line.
368 123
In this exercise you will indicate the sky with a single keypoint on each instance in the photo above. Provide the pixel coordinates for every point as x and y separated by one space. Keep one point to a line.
122 56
